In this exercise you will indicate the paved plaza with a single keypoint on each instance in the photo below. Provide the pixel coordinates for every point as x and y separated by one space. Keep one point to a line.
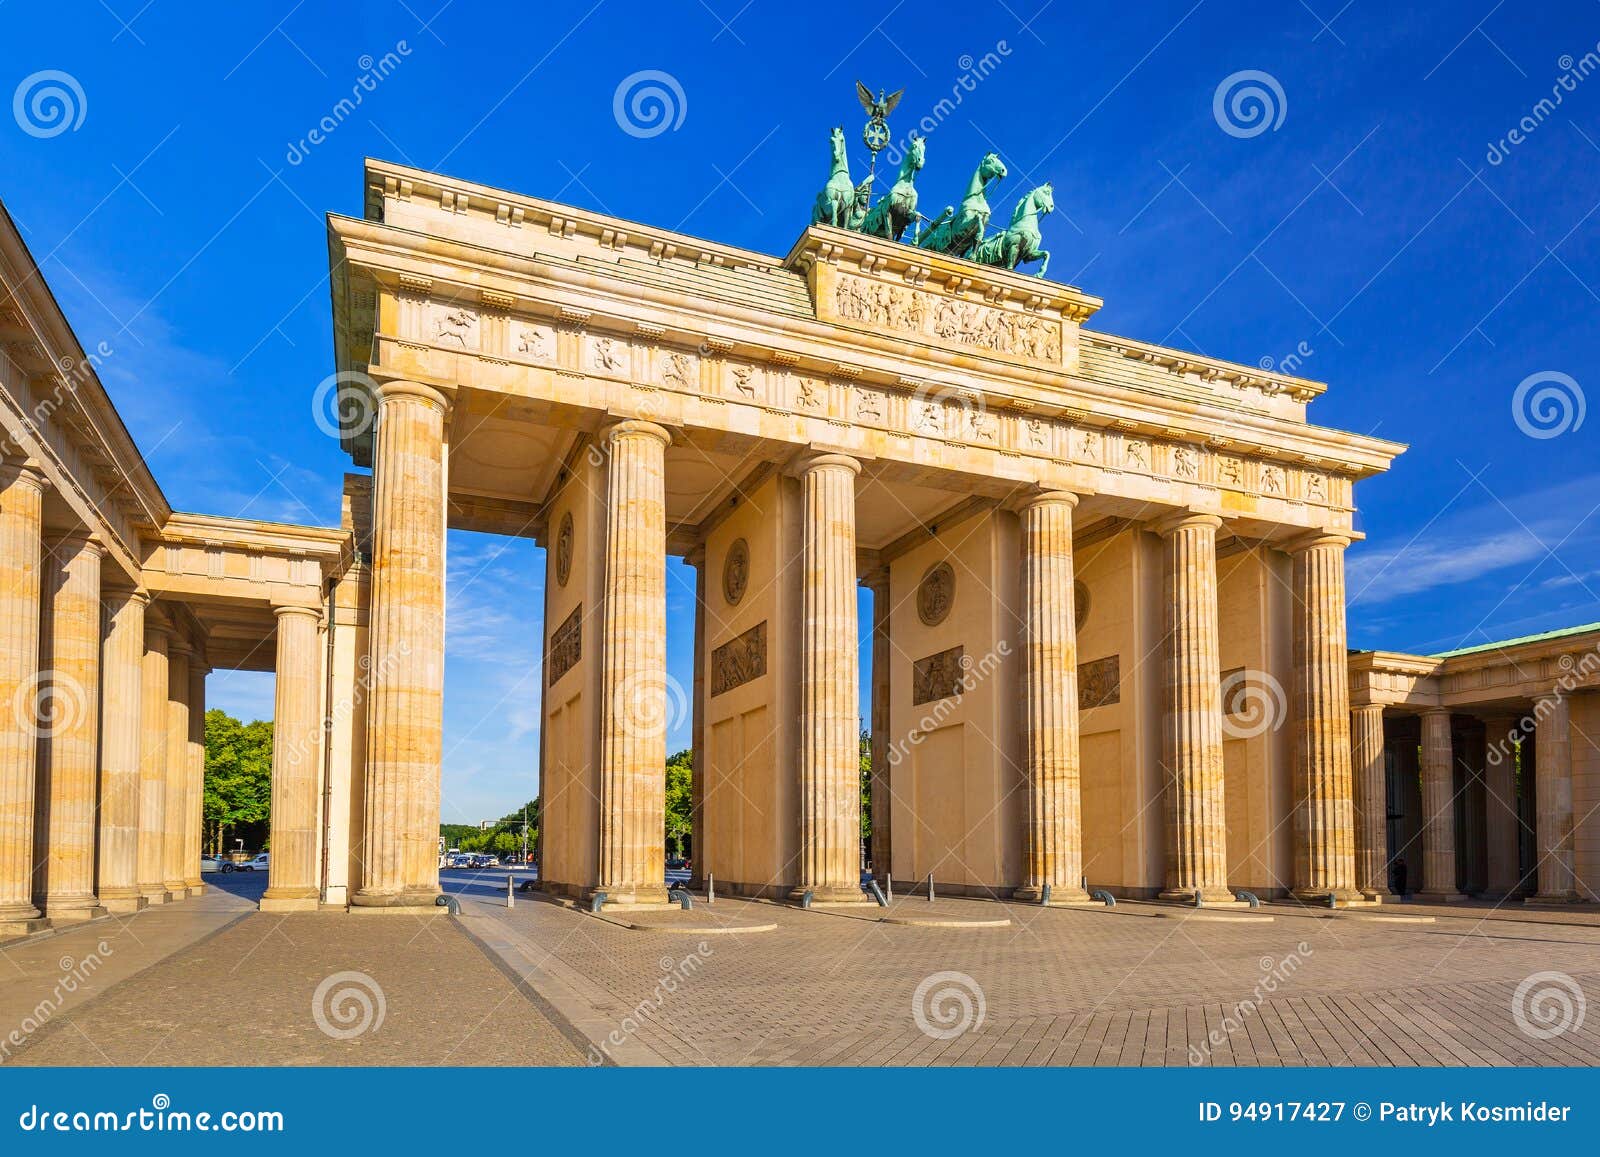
957 982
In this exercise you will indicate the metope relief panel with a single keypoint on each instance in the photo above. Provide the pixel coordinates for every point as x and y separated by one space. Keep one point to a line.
1100 682
678 370
739 660
452 324
566 645
536 343
938 676
1036 337
608 355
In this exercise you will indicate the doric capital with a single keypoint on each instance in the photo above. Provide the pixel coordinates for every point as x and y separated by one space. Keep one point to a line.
635 428
827 462
397 391
296 609
1336 539
1185 520
1047 497
696 556
27 471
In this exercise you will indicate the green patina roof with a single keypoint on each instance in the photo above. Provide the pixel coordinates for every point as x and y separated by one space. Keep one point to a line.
1561 634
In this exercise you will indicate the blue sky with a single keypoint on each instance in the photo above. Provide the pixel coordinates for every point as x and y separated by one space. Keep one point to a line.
1366 228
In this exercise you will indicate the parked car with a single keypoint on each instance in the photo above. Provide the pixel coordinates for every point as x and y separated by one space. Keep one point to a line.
257 863
213 864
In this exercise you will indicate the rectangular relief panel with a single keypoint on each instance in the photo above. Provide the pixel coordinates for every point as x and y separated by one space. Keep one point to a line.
566 645
938 676
739 660
1100 682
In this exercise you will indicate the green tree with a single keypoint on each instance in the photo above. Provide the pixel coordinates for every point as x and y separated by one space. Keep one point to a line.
680 816
864 752
238 783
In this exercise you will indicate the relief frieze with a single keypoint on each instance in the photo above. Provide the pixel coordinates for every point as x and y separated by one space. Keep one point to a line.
938 676
739 660
972 323
566 645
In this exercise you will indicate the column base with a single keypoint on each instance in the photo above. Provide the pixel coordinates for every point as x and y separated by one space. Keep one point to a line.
1440 897
72 910
1062 896
1377 895
411 902
124 905
836 894
12 929
1212 897
196 887
1342 897
1553 900
270 903
634 895
153 894
177 890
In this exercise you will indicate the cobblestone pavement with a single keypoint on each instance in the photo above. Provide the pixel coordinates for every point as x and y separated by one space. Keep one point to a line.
1140 985
314 989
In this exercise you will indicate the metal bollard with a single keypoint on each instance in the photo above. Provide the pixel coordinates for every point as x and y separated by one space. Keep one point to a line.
685 901
930 887
511 896
1104 897
1044 896
711 888
1333 900
1199 899
597 901
888 886
805 899
1249 898
877 893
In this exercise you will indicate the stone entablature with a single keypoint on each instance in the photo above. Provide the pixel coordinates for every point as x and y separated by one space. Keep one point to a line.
269 564
1514 672
1002 386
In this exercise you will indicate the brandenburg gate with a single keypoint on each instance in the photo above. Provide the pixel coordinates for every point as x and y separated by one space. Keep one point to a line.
1107 587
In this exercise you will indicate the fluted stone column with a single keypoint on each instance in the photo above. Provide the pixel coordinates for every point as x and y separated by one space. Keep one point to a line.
882 794
1053 848
1324 795
194 797
175 811
405 719
122 684
296 762
1438 809
153 765
69 730
1369 772
830 794
633 657
1191 724
1553 799
697 727
1501 736
21 548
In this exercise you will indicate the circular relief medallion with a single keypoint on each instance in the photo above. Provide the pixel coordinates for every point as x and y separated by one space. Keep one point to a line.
1080 604
564 550
736 571
937 594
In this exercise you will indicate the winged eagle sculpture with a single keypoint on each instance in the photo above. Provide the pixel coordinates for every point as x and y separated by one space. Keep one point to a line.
880 108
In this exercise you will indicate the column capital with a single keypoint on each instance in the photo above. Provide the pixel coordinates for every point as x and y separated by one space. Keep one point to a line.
1428 712
696 556
399 389
296 609
1170 524
29 471
77 538
1047 497
122 592
1304 542
1369 708
826 461
635 428
876 579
